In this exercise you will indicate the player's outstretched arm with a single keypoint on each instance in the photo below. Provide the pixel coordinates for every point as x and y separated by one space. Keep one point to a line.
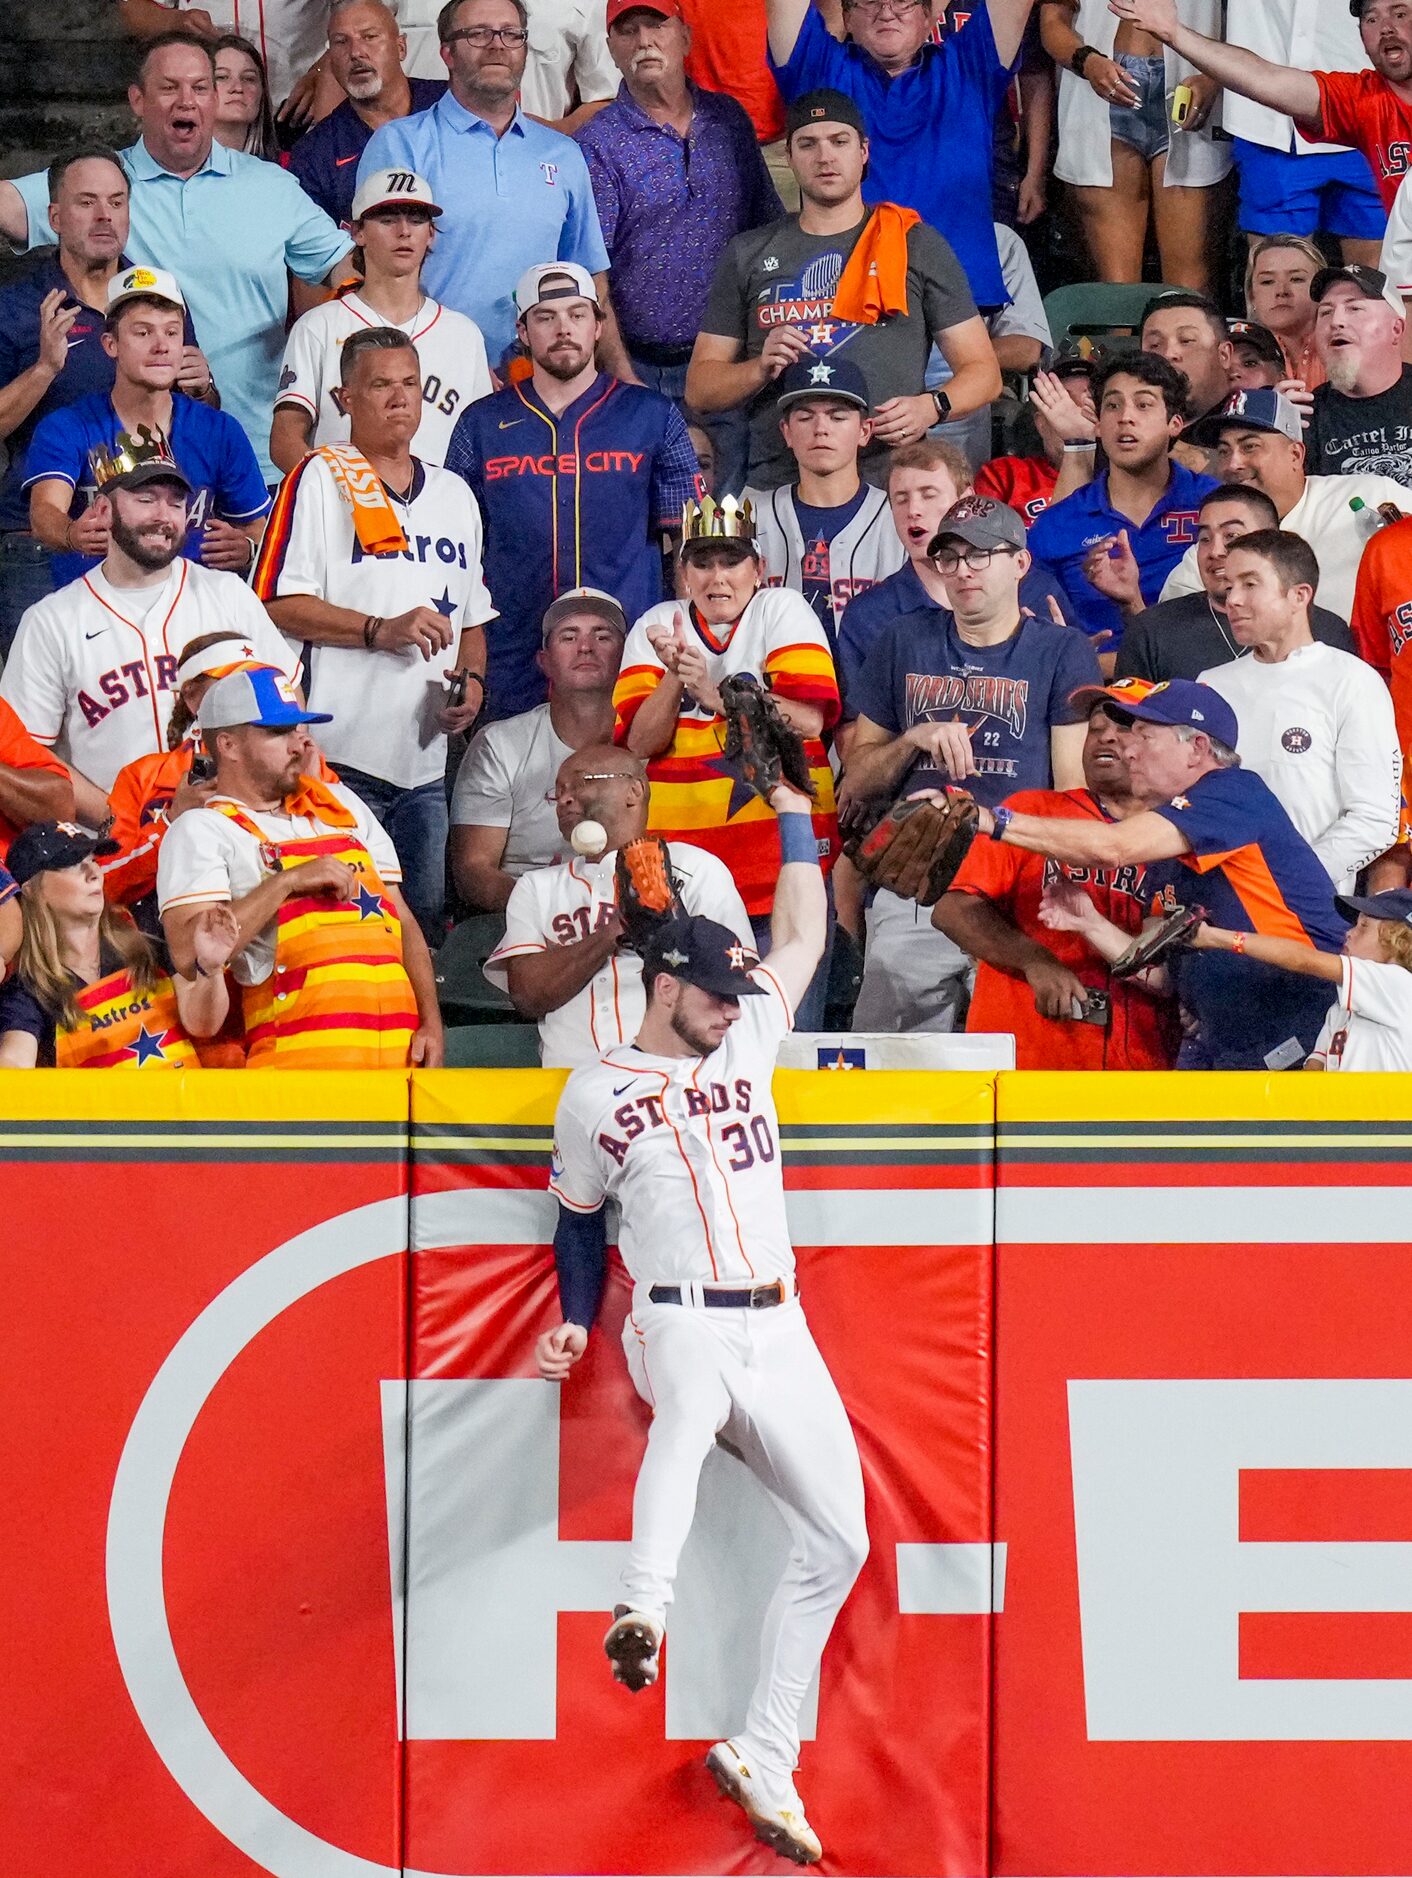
799 921
581 1259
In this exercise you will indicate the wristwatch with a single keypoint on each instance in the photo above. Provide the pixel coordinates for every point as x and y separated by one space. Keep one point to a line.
943 406
1001 819
1081 57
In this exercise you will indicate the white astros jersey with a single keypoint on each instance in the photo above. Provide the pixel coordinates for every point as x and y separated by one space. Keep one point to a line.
689 1147
554 906
450 353
92 672
385 703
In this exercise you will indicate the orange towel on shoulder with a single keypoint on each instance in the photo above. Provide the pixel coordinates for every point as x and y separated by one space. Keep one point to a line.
314 798
873 286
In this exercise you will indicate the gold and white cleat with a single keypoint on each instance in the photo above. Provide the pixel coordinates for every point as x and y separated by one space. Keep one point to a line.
772 1806
632 1645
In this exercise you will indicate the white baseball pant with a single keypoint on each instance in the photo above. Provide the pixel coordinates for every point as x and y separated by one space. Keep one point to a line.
757 1377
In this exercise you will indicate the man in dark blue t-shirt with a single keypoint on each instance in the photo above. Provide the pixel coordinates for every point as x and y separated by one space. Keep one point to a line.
978 695
51 349
365 54
1231 848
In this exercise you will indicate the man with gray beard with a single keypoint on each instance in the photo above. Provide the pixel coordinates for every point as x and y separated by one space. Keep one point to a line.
1362 419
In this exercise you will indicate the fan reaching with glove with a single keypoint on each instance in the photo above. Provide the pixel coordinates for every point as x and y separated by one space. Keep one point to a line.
917 846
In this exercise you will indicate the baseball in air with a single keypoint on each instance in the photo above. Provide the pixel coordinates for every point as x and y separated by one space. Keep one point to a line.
589 838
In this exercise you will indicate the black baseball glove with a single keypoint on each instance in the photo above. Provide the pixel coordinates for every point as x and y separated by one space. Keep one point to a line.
762 747
1158 942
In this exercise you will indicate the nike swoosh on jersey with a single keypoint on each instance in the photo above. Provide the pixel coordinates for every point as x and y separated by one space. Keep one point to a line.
626 1086
509 424
340 162
97 635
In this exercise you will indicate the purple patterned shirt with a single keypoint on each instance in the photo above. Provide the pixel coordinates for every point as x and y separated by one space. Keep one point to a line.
668 205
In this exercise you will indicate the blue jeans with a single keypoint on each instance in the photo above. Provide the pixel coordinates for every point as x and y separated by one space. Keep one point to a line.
729 431
810 1013
26 576
417 824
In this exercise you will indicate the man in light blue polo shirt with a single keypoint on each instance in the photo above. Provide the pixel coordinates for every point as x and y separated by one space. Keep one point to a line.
226 224
930 109
513 191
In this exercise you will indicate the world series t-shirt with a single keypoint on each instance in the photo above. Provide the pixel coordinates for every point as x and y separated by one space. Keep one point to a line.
922 671
779 276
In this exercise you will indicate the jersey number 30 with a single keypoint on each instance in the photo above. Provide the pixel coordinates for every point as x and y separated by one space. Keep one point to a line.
738 1141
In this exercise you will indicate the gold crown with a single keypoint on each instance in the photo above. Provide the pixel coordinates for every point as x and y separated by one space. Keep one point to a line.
132 448
709 520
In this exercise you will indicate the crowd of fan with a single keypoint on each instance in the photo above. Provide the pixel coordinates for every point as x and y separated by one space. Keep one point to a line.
410 431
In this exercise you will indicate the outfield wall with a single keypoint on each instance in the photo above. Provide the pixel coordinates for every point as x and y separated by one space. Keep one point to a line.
306 1572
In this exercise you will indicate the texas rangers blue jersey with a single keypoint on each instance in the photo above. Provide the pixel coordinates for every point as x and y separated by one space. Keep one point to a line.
1066 532
211 449
577 500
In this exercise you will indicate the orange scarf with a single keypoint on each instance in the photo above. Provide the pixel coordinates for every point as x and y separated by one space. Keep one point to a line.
316 800
374 520
873 286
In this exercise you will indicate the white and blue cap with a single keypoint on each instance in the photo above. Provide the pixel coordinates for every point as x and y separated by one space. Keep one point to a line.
260 695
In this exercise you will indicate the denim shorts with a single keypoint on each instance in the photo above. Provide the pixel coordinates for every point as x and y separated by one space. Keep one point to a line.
1144 125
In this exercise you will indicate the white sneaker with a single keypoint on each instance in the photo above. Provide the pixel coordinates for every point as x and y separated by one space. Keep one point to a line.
772 1806
632 1645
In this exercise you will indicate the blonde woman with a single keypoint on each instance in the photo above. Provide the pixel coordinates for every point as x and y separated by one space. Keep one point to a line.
1278 277
89 991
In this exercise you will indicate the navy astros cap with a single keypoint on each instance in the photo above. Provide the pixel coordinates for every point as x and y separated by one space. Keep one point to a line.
49 847
1395 905
703 953
824 106
1181 701
821 378
1264 408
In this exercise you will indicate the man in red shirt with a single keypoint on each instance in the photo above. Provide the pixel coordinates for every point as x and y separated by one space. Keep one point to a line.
1062 405
1371 111
34 785
1046 987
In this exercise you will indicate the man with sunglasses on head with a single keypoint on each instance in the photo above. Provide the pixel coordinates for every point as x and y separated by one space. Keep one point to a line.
514 191
929 108
978 694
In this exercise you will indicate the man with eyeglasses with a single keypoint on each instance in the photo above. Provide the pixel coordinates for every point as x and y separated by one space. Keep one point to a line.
514 191
979 694
930 109
562 959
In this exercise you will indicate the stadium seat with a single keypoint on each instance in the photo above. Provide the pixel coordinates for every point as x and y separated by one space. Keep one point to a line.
462 989
1099 309
493 1046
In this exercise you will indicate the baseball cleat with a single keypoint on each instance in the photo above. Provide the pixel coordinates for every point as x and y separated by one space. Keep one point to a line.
632 1644
771 1806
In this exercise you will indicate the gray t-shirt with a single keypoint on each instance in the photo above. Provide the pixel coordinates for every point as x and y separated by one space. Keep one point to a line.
779 276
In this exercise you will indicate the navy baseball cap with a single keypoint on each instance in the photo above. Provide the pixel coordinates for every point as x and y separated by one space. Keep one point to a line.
823 106
1181 701
821 378
1395 905
1258 339
49 847
258 695
703 953
1261 409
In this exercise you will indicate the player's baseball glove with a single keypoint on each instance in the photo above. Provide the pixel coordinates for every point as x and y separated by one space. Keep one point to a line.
761 746
646 897
1159 942
918 846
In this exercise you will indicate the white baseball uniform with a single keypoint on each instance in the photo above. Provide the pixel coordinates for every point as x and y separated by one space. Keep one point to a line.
450 353
866 550
92 671
385 702
1369 1025
554 906
689 1149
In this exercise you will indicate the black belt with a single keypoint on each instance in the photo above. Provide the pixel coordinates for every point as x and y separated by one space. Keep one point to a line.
749 1298
652 354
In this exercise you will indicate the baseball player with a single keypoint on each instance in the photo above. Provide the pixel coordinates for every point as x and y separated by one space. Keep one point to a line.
679 1129
560 960
394 225
93 669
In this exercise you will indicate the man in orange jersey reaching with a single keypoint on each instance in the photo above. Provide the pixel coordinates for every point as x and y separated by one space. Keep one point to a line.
334 970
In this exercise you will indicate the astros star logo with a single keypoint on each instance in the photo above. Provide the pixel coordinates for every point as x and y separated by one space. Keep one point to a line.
821 375
369 905
445 606
735 957
147 1047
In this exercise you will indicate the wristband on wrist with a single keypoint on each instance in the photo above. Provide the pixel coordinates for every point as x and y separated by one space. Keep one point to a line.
797 839
372 626
1080 58
1238 942
1084 445
1002 819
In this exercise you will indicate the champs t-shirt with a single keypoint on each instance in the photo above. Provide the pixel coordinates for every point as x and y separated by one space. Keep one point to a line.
779 276
922 671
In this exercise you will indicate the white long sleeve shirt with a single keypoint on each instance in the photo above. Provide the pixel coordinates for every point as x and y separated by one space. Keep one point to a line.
1318 728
